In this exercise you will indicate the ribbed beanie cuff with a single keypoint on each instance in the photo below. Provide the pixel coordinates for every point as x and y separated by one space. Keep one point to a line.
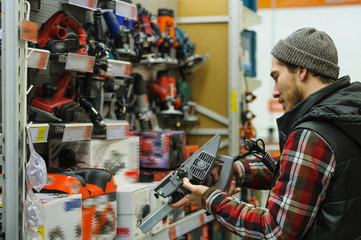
310 49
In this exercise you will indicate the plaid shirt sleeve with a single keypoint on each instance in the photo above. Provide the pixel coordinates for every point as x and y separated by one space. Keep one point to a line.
307 165
252 173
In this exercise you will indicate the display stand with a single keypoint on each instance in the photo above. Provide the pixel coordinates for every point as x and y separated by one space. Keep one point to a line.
13 118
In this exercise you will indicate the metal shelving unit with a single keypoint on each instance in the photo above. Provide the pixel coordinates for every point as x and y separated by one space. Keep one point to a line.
183 226
13 118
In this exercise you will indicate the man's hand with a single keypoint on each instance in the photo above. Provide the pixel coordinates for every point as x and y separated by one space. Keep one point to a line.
231 187
194 197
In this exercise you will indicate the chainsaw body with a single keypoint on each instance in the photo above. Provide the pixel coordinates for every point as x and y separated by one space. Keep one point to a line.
197 169
53 34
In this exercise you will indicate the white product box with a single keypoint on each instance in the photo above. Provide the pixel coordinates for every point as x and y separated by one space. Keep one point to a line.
100 217
63 216
120 156
132 204
62 154
154 203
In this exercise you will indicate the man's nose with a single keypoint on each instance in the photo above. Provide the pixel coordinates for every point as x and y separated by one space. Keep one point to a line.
275 92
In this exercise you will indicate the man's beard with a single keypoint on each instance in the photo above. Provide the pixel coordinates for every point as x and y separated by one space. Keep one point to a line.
296 97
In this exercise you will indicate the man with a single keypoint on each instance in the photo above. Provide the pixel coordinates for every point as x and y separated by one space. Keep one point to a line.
315 192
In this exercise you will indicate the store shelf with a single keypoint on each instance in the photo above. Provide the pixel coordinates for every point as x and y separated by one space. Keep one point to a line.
183 226
249 18
157 63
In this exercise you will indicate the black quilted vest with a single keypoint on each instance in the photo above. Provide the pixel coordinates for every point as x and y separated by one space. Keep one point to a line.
334 113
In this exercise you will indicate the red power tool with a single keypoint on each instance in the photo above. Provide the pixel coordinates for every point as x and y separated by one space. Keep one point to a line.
57 100
166 89
56 38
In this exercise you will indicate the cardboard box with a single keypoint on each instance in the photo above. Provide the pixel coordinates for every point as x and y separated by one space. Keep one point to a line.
154 203
63 155
63 216
120 156
99 217
132 206
161 149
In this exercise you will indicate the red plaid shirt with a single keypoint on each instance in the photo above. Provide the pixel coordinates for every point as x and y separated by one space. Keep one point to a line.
307 165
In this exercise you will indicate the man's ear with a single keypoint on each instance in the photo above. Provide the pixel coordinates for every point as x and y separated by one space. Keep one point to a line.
302 73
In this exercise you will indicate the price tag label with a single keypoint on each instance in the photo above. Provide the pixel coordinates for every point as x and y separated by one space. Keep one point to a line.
79 62
117 131
127 10
118 68
77 132
29 31
90 4
201 219
38 58
39 133
173 232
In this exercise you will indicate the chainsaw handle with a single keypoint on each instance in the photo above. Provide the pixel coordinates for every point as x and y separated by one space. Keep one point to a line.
225 171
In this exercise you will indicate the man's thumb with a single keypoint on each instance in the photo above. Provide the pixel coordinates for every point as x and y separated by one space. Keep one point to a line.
187 184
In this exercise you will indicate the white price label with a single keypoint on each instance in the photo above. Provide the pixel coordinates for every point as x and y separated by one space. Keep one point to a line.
38 58
79 62
77 133
126 10
118 68
90 4
117 131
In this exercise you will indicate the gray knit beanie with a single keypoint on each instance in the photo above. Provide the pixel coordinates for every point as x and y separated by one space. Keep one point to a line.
310 49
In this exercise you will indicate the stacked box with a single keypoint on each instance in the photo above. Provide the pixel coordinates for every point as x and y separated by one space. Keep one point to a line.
63 216
132 206
63 155
120 156
99 217
161 149
154 203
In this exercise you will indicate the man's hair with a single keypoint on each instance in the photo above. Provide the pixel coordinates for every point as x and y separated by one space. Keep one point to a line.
292 69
